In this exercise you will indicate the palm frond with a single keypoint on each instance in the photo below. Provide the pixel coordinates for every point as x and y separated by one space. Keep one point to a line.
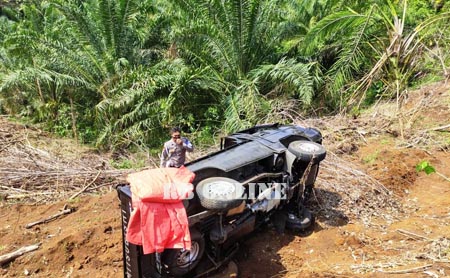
245 107
288 76
337 24
351 57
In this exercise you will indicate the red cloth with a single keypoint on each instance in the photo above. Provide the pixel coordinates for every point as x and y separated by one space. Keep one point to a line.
159 220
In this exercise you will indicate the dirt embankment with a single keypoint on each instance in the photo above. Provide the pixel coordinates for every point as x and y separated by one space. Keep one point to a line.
85 243
376 215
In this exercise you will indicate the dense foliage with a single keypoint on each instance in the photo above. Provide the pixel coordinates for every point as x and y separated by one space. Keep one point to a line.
119 73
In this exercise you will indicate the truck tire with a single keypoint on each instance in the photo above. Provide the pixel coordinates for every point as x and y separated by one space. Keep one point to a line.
179 262
302 224
219 193
307 151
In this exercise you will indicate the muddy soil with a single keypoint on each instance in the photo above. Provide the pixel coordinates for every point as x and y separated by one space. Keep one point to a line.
415 243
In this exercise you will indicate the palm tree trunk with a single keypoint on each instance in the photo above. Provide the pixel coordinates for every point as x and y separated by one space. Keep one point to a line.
38 84
74 119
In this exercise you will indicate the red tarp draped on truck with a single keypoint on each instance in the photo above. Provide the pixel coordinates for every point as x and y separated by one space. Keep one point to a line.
159 220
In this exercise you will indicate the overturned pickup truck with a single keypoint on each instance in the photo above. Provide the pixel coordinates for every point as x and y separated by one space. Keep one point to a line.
259 175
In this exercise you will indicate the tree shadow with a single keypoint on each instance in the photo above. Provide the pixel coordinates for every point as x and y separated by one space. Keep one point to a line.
258 254
324 204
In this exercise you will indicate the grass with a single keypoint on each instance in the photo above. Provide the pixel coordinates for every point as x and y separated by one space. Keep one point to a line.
74 200
371 158
128 163
425 80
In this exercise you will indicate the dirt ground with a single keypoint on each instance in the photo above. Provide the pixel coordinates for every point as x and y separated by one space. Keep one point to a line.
412 242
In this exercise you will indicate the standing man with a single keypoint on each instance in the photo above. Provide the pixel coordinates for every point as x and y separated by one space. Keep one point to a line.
174 150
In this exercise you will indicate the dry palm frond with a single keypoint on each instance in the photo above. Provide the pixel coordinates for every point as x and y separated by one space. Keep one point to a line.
31 174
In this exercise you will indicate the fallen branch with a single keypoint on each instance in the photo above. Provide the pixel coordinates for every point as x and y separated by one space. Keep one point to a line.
19 252
29 174
51 218
412 235
84 188
28 195
410 270
443 176
439 128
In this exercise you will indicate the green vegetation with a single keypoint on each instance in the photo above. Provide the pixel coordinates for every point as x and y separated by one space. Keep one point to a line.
426 167
370 159
127 164
119 73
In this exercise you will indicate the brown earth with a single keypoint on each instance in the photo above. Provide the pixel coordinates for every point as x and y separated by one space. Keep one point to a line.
411 240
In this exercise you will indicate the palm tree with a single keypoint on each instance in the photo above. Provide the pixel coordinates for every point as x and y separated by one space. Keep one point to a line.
29 61
302 15
76 53
371 45
239 42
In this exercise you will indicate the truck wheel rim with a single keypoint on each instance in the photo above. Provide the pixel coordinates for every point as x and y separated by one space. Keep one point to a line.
308 147
186 257
221 188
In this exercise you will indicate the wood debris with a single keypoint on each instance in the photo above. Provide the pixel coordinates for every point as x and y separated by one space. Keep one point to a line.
64 211
19 252
30 174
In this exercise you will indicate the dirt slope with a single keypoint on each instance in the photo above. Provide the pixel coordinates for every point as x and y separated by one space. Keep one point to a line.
406 233
85 243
